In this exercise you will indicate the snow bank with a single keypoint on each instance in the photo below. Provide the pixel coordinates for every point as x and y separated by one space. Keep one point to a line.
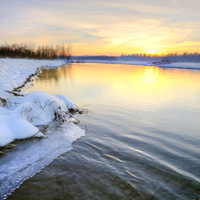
33 109
29 111
20 117
181 65
14 72
118 62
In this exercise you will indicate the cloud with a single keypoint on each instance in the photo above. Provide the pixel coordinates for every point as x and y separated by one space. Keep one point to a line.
109 24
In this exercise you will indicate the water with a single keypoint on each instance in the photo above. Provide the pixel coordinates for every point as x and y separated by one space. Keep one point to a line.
142 135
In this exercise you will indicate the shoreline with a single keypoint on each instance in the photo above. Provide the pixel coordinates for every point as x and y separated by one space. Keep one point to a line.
16 72
26 111
21 119
177 65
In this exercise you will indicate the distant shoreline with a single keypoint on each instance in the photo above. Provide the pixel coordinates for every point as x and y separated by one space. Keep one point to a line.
178 65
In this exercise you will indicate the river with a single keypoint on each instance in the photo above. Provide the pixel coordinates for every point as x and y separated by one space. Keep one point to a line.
142 135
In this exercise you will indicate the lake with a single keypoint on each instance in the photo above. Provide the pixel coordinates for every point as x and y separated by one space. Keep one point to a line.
142 135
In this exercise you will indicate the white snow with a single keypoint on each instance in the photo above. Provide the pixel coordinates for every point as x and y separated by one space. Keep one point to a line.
36 108
69 104
21 117
20 114
181 65
14 72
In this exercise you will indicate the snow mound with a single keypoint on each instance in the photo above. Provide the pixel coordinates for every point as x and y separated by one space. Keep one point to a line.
25 113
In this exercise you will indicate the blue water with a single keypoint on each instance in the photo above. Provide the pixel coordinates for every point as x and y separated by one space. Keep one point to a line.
142 135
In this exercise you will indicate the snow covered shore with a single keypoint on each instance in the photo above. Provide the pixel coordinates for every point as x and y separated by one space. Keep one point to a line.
24 112
20 118
180 65
14 72
19 115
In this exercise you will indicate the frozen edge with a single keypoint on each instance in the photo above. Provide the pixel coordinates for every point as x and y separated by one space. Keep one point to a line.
34 164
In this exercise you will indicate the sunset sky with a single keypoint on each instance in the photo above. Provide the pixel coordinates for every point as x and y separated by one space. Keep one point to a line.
104 27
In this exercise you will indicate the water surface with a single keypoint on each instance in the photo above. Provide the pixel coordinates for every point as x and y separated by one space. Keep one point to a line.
142 135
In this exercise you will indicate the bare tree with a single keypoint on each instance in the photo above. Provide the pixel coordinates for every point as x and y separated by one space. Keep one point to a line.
31 51
62 51
68 52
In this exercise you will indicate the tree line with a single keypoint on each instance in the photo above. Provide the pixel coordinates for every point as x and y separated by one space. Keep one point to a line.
30 50
174 57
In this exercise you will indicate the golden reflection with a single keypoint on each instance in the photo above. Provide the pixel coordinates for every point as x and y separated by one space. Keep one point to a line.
149 86
150 75
120 76
127 84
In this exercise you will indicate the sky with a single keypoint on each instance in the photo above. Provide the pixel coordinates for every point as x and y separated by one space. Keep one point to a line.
104 27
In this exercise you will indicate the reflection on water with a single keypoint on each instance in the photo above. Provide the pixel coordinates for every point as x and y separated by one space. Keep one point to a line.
142 135
146 86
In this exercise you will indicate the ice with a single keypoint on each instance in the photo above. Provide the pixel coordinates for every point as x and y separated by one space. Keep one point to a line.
31 156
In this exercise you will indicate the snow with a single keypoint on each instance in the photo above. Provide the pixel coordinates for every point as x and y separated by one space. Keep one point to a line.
14 72
181 65
20 118
36 108
69 104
